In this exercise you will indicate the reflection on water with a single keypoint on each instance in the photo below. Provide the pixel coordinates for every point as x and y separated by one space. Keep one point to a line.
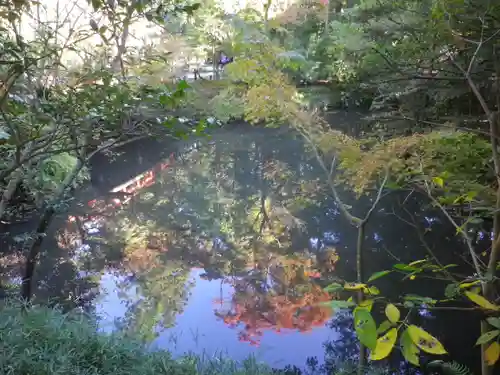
198 329
215 254
226 247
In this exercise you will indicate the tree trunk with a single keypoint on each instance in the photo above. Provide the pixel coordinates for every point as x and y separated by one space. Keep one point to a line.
43 226
9 191
121 43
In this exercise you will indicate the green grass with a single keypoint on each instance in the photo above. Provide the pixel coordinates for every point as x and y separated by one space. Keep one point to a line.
45 341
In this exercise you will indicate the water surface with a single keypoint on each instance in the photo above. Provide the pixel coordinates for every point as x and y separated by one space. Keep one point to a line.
223 246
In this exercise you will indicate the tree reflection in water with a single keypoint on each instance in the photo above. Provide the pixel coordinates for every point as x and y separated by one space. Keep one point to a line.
285 298
249 209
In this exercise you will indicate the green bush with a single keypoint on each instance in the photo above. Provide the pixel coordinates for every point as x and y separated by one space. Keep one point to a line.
45 341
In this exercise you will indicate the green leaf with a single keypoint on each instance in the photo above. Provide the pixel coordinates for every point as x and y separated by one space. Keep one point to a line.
338 305
334 287
419 299
471 195
409 349
451 290
408 304
417 262
487 337
96 4
182 85
475 220
378 275
406 267
366 328
392 313
393 185
384 345
495 322
165 99
425 341
481 301
189 9
384 326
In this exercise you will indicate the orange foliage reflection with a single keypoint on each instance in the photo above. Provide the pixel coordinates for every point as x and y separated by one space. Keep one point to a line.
258 312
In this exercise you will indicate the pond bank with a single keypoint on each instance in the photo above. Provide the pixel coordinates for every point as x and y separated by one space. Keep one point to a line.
45 341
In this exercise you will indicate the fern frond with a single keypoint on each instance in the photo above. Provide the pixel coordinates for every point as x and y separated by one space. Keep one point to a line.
450 368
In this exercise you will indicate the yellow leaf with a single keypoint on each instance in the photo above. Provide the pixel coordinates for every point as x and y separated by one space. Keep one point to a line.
475 290
384 345
467 285
492 353
366 304
438 181
481 301
392 313
373 290
354 286
425 341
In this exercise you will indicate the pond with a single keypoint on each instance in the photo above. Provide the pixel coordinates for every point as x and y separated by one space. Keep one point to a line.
223 245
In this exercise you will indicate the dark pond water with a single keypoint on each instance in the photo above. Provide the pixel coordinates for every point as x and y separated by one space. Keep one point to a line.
223 246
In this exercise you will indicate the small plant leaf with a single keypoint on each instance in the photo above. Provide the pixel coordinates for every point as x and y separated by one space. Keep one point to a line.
418 262
405 267
487 337
378 275
481 301
334 287
492 353
468 285
475 289
384 345
366 329
425 341
338 304
366 304
495 322
409 349
373 290
354 286
438 181
392 313
96 4
384 326
419 299
451 290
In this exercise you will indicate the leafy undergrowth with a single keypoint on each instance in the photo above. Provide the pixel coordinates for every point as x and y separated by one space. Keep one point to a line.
45 341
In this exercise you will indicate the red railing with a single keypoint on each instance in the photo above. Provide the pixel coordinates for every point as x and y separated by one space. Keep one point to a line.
129 188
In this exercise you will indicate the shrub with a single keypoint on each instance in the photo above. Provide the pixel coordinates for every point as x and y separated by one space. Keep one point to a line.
45 341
